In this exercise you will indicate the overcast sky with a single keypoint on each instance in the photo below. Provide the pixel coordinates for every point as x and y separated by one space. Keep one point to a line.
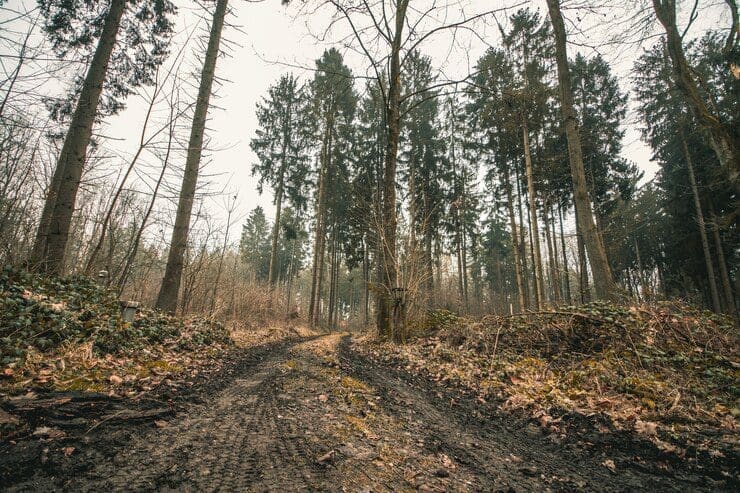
266 39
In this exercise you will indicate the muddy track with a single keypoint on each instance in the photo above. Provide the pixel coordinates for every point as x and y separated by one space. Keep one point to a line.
314 415
504 451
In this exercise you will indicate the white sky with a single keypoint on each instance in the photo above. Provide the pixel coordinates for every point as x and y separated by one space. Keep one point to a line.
268 31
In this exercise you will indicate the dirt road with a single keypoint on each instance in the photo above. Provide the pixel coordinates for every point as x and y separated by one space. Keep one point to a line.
315 415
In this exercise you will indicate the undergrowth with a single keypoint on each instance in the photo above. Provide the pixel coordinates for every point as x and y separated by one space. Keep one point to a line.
666 367
67 334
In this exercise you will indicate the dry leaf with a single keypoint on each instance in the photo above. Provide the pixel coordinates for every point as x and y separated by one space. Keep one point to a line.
115 379
646 428
160 423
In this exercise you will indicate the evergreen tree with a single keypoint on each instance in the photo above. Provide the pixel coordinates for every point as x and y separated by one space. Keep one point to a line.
282 145
334 102
254 247
130 40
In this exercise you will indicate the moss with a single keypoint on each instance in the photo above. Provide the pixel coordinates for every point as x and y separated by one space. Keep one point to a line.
162 366
354 384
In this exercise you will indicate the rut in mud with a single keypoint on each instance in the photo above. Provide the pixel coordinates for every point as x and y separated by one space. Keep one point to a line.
314 415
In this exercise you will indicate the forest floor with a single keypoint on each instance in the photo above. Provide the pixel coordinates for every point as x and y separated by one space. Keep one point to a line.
320 413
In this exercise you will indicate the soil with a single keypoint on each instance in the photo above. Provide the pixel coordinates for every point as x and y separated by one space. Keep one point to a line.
314 414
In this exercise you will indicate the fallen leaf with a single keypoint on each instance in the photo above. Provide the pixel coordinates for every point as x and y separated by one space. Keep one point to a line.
160 423
115 379
646 428
7 418
51 433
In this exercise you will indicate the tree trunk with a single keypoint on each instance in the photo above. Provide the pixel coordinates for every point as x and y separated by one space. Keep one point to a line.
551 256
583 289
515 242
214 294
603 281
365 281
723 272
275 232
390 313
320 234
168 292
291 275
536 251
714 293
566 271
137 239
722 137
53 231
522 240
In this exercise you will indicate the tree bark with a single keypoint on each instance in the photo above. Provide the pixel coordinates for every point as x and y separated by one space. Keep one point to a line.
714 293
723 138
536 250
168 292
603 282
388 321
53 231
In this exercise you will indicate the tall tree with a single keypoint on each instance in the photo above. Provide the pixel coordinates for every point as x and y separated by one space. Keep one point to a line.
334 102
281 144
115 68
721 129
604 284
254 246
168 292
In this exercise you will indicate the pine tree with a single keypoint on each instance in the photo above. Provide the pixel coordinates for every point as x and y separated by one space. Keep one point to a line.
282 144
169 290
121 61
254 246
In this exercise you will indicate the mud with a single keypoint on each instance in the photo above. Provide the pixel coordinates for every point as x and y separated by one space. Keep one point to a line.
316 415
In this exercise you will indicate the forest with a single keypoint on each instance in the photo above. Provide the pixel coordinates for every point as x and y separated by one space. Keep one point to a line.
535 200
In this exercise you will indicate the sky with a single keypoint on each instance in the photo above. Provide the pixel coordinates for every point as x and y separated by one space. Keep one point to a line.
266 39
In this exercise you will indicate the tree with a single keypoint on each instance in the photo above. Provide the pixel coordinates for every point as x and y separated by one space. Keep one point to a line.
721 129
689 175
603 281
281 145
168 292
115 68
334 102
254 247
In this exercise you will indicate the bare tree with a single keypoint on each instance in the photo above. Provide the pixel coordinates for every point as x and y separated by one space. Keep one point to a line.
167 298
